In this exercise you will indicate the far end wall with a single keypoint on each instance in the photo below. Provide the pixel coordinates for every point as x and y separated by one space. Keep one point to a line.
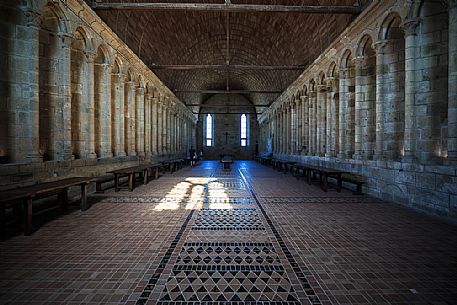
227 127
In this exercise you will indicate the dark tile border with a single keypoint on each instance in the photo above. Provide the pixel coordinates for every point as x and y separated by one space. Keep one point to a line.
144 297
301 274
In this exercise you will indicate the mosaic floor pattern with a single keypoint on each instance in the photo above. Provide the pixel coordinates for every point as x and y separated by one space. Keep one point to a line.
251 235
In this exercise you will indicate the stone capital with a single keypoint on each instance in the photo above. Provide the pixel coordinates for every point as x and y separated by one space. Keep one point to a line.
90 56
321 88
410 27
32 18
67 39
379 46
140 90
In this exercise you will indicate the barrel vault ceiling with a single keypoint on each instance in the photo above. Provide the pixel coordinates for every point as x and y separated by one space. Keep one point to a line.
189 37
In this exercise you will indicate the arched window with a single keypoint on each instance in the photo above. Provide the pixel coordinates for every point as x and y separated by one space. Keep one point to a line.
209 130
244 130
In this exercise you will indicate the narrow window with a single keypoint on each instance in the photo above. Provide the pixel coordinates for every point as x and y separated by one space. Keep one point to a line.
209 130
244 130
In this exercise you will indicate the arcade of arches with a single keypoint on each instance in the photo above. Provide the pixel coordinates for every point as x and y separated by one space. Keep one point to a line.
365 87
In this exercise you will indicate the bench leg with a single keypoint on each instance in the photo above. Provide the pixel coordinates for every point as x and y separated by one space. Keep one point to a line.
131 181
2 221
116 182
157 173
28 220
63 199
323 178
98 188
145 176
83 197
358 190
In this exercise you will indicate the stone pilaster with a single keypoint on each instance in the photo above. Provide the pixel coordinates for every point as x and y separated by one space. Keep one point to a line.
103 111
140 114
452 80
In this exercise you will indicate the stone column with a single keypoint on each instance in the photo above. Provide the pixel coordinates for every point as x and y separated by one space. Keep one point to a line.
288 129
312 123
154 125
139 124
117 96
381 70
104 113
23 89
330 117
342 123
130 118
411 49
147 125
321 118
65 89
90 102
359 104
164 128
305 125
159 129
452 87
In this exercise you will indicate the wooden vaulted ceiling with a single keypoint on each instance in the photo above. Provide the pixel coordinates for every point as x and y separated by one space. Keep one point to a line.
189 37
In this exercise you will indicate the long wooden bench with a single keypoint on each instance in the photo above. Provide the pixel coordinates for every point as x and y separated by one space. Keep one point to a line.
357 181
130 173
26 195
310 172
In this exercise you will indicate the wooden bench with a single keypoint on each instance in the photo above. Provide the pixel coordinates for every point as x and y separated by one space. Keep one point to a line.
25 196
130 172
357 181
310 172
227 161
155 169
100 181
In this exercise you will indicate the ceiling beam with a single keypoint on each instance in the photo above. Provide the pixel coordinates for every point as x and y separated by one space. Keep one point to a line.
229 7
224 67
223 106
227 92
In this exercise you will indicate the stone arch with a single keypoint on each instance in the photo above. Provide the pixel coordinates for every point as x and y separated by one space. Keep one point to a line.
392 21
56 11
102 104
332 70
365 82
393 77
434 20
347 105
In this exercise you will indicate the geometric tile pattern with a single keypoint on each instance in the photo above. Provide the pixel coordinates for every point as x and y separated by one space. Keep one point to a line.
228 257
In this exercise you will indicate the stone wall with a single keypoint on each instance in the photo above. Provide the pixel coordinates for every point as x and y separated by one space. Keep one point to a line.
380 102
227 127
75 100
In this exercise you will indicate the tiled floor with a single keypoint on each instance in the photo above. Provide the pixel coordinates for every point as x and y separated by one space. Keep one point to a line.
247 236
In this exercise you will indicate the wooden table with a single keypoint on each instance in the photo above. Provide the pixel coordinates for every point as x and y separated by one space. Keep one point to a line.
42 190
130 173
